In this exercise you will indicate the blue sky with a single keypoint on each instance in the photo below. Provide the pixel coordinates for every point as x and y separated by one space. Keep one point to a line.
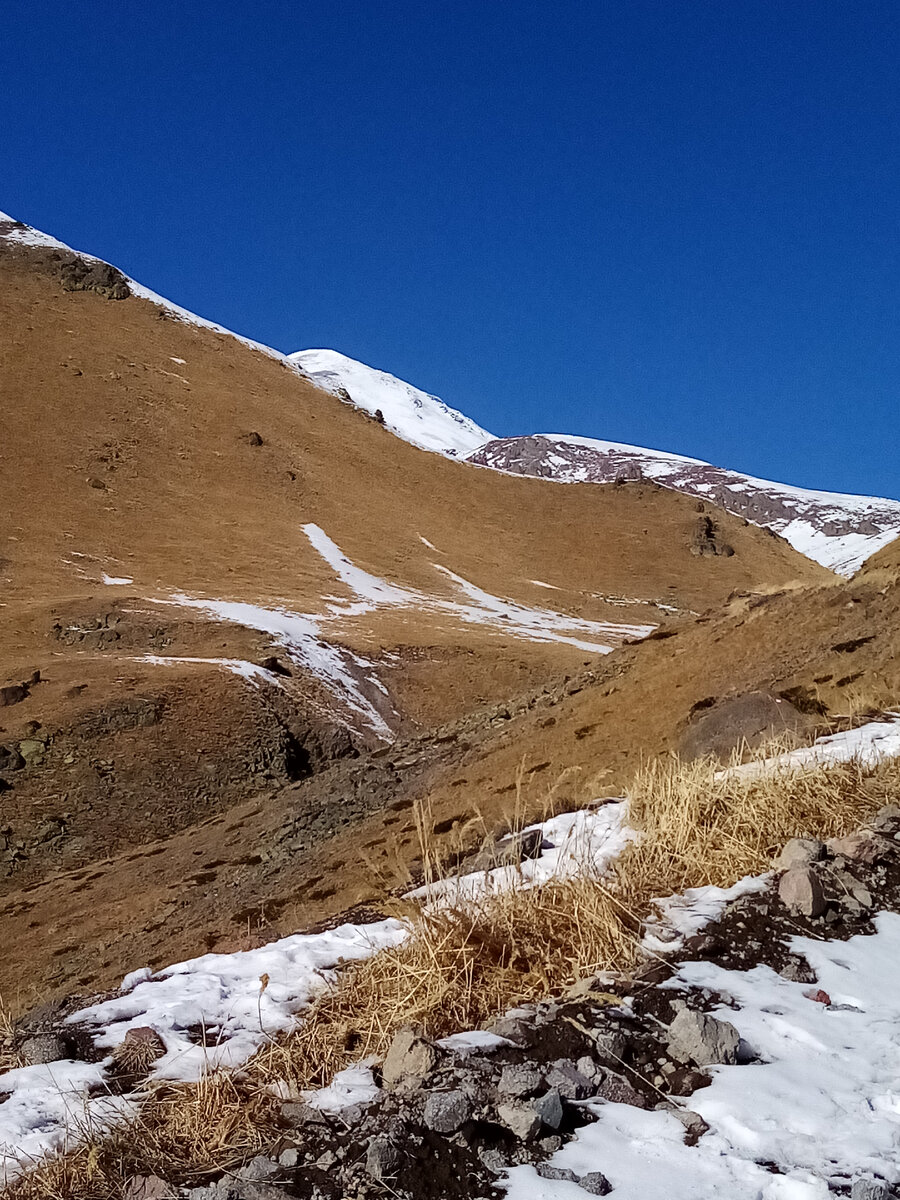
667 222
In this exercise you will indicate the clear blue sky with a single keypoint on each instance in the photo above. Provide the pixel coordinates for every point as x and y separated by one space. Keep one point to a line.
669 222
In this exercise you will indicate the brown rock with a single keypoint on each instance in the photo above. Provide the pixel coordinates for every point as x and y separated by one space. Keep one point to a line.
864 846
148 1187
799 852
802 892
410 1059
726 724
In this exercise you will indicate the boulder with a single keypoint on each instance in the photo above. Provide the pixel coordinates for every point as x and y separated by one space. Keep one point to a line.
570 1082
799 852
382 1158
549 1108
720 726
410 1060
519 1079
595 1183
520 1119
866 846
698 1038
802 892
445 1112
42 1048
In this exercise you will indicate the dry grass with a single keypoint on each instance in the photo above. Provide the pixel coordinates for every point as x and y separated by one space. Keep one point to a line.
464 962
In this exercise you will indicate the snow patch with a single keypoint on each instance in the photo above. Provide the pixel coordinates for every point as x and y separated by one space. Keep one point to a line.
411 414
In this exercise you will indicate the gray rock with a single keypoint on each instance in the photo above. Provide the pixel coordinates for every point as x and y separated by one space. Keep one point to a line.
589 1069
445 1112
799 852
617 1090
289 1158
382 1158
800 889
547 1172
549 1108
595 1183
611 1044
409 1060
571 1083
887 819
520 1080
296 1113
520 1119
701 1039
42 1048
869 1189
148 1187
256 1169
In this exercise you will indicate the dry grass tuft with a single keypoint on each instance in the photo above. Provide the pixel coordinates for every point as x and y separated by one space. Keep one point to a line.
459 966
701 825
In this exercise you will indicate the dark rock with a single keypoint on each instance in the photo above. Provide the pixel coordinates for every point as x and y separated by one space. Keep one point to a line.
732 722
42 1048
570 1082
445 1112
563 1173
595 1183
382 1158
549 1108
617 1090
89 275
254 439
520 1079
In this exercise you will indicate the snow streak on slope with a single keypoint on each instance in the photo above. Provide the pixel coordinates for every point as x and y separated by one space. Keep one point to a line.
514 620
408 412
837 530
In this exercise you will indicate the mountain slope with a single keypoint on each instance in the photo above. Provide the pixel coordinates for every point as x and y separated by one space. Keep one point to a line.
839 531
414 415
237 582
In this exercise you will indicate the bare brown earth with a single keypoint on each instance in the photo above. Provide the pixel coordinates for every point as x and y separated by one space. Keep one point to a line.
165 810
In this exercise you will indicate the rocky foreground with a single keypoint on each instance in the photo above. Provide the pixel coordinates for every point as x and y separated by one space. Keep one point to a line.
477 1114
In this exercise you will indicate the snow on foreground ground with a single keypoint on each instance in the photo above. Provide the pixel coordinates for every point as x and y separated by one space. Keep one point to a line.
823 1104
824 1069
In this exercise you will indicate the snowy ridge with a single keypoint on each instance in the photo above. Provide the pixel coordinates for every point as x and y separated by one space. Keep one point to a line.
839 531
13 230
411 414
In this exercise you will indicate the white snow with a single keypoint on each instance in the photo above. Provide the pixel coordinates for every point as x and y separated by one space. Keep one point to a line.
354 1085
411 414
301 637
681 916
49 1104
479 607
224 995
823 1105
844 552
579 843
867 744
237 666
116 580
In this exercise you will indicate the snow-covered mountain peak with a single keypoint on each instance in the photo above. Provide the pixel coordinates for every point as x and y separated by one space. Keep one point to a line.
410 413
839 531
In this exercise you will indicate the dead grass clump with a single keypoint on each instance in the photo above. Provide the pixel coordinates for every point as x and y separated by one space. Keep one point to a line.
703 825
182 1133
460 965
